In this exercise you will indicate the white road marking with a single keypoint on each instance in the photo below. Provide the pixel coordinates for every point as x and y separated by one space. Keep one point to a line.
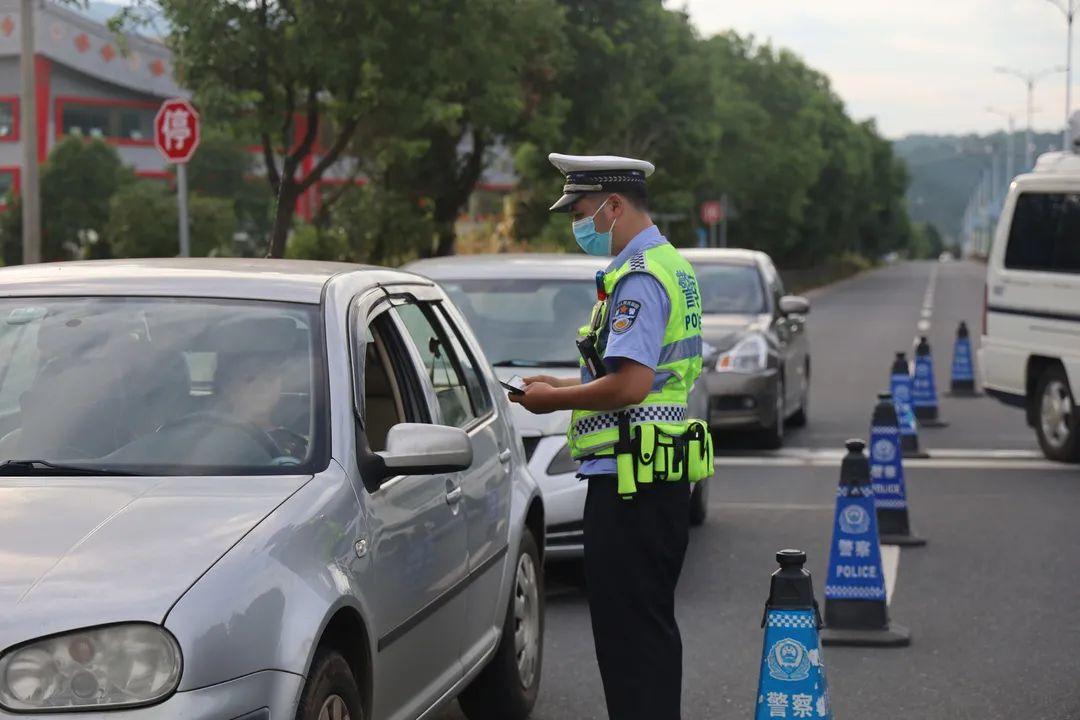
923 326
890 567
944 459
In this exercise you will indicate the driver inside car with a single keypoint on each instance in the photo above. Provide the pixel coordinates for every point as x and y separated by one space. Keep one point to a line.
250 389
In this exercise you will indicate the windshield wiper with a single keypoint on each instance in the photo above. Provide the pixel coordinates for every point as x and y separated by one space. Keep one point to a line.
536 363
44 467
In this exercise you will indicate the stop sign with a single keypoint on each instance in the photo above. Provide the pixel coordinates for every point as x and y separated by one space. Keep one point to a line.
176 130
712 212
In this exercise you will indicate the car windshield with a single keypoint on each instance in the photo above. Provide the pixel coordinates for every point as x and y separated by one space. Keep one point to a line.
523 321
730 289
162 386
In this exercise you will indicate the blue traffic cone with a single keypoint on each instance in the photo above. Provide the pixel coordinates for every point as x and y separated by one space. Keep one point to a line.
856 611
962 383
887 476
900 387
923 390
791 683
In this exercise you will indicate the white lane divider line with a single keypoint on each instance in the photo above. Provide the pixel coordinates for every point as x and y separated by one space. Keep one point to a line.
923 326
949 459
890 567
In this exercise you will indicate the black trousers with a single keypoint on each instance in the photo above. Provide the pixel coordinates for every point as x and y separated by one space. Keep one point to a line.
634 552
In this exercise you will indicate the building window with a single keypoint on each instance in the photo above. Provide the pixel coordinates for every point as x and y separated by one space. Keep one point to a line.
8 189
123 122
8 120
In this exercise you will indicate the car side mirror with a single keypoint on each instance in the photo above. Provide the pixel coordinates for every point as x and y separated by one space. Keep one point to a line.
794 305
422 449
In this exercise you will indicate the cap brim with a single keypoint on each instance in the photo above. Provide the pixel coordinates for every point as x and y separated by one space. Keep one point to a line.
563 204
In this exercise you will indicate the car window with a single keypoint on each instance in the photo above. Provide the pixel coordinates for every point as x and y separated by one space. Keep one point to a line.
525 320
441 363
1045 233
163 386
730 289
384 397
477 388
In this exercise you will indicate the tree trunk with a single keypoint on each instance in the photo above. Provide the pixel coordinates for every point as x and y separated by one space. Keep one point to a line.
446 236
283 216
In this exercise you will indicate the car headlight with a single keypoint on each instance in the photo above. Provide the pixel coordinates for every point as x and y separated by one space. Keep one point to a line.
114 666
748 356
563 463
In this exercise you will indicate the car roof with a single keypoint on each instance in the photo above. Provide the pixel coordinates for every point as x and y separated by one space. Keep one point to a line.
234 278
1058 163
509 265
728 256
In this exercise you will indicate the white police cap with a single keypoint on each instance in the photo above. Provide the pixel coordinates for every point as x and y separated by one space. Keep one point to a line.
597 173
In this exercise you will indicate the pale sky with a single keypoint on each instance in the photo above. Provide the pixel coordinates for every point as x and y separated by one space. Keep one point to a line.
916 65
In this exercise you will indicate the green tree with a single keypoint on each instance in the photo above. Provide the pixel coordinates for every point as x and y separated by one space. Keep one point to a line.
302 78
77 181
223 168
637 85
143 222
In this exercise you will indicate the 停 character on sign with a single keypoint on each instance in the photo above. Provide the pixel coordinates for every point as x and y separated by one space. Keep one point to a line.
176 128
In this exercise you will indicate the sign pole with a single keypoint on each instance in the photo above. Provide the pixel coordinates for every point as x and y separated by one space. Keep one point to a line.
31 188
723 221
182 208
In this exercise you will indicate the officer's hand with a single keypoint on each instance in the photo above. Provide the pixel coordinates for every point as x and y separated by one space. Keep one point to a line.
552 381
539 398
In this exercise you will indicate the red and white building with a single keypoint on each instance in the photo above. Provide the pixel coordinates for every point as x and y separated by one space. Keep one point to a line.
85 86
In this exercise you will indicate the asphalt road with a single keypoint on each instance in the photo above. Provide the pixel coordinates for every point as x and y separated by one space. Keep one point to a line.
991 601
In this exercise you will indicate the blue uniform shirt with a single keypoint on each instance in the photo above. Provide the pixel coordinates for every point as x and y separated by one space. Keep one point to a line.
641 340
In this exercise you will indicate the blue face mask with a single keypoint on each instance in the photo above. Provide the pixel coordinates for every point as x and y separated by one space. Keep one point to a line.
589 238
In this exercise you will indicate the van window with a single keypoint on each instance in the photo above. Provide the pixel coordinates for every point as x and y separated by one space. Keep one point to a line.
1045 233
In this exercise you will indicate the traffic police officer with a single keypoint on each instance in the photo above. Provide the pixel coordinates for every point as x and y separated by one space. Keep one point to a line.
641 352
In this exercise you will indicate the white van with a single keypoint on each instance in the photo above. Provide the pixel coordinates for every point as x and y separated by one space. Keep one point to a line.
1030 354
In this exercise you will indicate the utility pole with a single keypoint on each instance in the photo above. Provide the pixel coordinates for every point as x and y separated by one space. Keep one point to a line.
29 182
1010 152
1029 80
1068 8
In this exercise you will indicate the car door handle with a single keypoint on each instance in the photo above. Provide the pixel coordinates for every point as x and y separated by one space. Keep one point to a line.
453 497
505 455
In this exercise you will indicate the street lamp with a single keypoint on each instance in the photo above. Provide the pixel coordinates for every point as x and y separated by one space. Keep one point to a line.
1068 8
1009 152
1029 80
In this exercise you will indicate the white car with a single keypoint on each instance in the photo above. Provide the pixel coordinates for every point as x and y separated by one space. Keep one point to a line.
525 309
1030 354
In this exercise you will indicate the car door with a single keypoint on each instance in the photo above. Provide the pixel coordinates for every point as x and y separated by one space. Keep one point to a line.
464 400
797 348
487 488
417 539
781 330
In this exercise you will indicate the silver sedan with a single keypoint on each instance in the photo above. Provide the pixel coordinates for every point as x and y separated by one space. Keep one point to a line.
258 489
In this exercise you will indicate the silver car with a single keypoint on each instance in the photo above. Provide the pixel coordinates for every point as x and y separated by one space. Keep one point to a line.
258 489
526 309
760 377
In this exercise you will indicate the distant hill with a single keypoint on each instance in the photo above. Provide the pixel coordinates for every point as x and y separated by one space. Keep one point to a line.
945 170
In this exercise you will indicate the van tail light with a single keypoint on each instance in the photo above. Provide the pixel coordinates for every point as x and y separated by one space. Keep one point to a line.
986 292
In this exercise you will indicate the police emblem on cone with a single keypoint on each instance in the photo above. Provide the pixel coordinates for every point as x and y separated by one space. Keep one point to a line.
962 383
856 607
900 387
923 390
791 683
887 476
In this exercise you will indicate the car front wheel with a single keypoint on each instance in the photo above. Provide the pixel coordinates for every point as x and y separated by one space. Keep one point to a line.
1057 423
331 692
772 437
506 689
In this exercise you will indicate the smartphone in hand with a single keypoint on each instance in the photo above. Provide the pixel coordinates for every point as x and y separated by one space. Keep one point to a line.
515 385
